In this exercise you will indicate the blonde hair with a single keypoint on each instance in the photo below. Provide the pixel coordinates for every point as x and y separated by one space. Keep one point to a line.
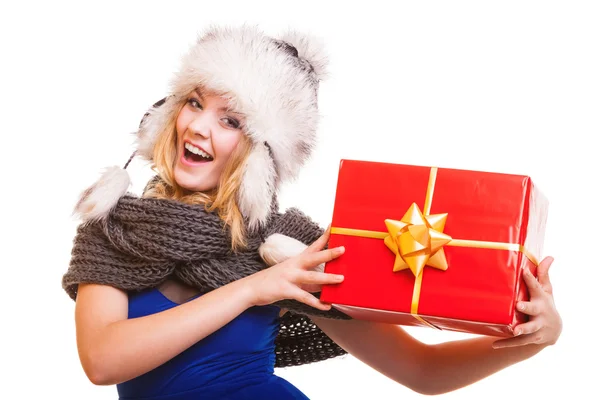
223 198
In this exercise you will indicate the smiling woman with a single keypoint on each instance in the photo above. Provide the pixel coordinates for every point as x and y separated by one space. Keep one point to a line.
179 292
179 268
200 159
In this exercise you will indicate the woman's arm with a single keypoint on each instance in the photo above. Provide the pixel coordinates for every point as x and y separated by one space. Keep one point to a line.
441 368
114 349
426 369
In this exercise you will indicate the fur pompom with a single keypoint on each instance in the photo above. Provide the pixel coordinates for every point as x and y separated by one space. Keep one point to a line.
97 201
278 248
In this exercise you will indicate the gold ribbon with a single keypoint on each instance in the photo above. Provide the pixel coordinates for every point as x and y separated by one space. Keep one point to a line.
418 240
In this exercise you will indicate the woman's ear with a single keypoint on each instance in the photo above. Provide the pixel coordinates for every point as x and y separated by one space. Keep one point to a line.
278 248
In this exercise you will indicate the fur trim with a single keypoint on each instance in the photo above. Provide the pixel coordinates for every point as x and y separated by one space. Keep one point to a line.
97 201
258 187
278 248
311 49
153 123
263 79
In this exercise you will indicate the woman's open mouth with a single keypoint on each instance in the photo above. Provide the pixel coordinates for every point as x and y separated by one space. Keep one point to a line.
195 155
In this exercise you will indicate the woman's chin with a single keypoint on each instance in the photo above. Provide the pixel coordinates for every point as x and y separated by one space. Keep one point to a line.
191 182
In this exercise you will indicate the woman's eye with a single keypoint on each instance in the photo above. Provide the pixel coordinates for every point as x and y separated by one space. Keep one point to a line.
194 103
232 122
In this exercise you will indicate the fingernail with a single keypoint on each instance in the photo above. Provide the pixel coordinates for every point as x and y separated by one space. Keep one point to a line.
341 249
517 332
339 277
521 306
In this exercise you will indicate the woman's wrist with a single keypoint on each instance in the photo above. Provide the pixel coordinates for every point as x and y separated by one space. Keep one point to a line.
245 290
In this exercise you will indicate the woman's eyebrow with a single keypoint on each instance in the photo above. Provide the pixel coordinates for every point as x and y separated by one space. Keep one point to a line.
227 109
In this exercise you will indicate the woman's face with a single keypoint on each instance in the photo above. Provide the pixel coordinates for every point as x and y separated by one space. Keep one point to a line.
207 134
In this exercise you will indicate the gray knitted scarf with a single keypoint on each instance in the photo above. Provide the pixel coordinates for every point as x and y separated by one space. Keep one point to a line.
145 241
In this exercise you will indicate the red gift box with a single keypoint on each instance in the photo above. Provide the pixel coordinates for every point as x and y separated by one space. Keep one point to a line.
436 247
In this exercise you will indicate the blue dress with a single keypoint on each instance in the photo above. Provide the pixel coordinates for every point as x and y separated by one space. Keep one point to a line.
234 363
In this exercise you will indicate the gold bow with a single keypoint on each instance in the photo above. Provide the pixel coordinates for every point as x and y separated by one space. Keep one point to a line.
418 240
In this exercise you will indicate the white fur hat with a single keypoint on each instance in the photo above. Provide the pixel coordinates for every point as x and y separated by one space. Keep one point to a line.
273 82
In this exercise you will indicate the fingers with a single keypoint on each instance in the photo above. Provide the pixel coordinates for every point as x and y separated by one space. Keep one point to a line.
307 298
321 242
528 328
542 273
320 278
528 333
312 288
311 260
514 342
529 308
535 287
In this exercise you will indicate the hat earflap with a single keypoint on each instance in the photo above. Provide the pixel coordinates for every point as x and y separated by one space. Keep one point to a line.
258 186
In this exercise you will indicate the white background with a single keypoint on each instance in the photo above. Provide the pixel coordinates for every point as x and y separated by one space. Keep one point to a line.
508 86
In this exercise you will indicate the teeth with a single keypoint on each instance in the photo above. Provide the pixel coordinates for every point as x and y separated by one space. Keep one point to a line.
196 150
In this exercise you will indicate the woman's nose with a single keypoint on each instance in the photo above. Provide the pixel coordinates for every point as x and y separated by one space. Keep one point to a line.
201 125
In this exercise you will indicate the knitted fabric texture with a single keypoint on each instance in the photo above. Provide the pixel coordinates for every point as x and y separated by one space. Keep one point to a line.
144 241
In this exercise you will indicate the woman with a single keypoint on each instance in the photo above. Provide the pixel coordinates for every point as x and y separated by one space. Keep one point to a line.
173 300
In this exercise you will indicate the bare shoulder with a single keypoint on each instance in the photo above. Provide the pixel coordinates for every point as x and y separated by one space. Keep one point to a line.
91 291
100 304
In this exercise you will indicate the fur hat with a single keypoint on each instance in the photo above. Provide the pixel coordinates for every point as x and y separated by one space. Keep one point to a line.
272 81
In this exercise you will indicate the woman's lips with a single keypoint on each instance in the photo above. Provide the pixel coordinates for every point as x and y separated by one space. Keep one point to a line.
192 163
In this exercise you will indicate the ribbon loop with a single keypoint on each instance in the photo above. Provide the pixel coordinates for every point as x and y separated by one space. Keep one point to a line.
417 241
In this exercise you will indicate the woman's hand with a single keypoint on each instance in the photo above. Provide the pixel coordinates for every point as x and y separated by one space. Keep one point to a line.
293 278
545 325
